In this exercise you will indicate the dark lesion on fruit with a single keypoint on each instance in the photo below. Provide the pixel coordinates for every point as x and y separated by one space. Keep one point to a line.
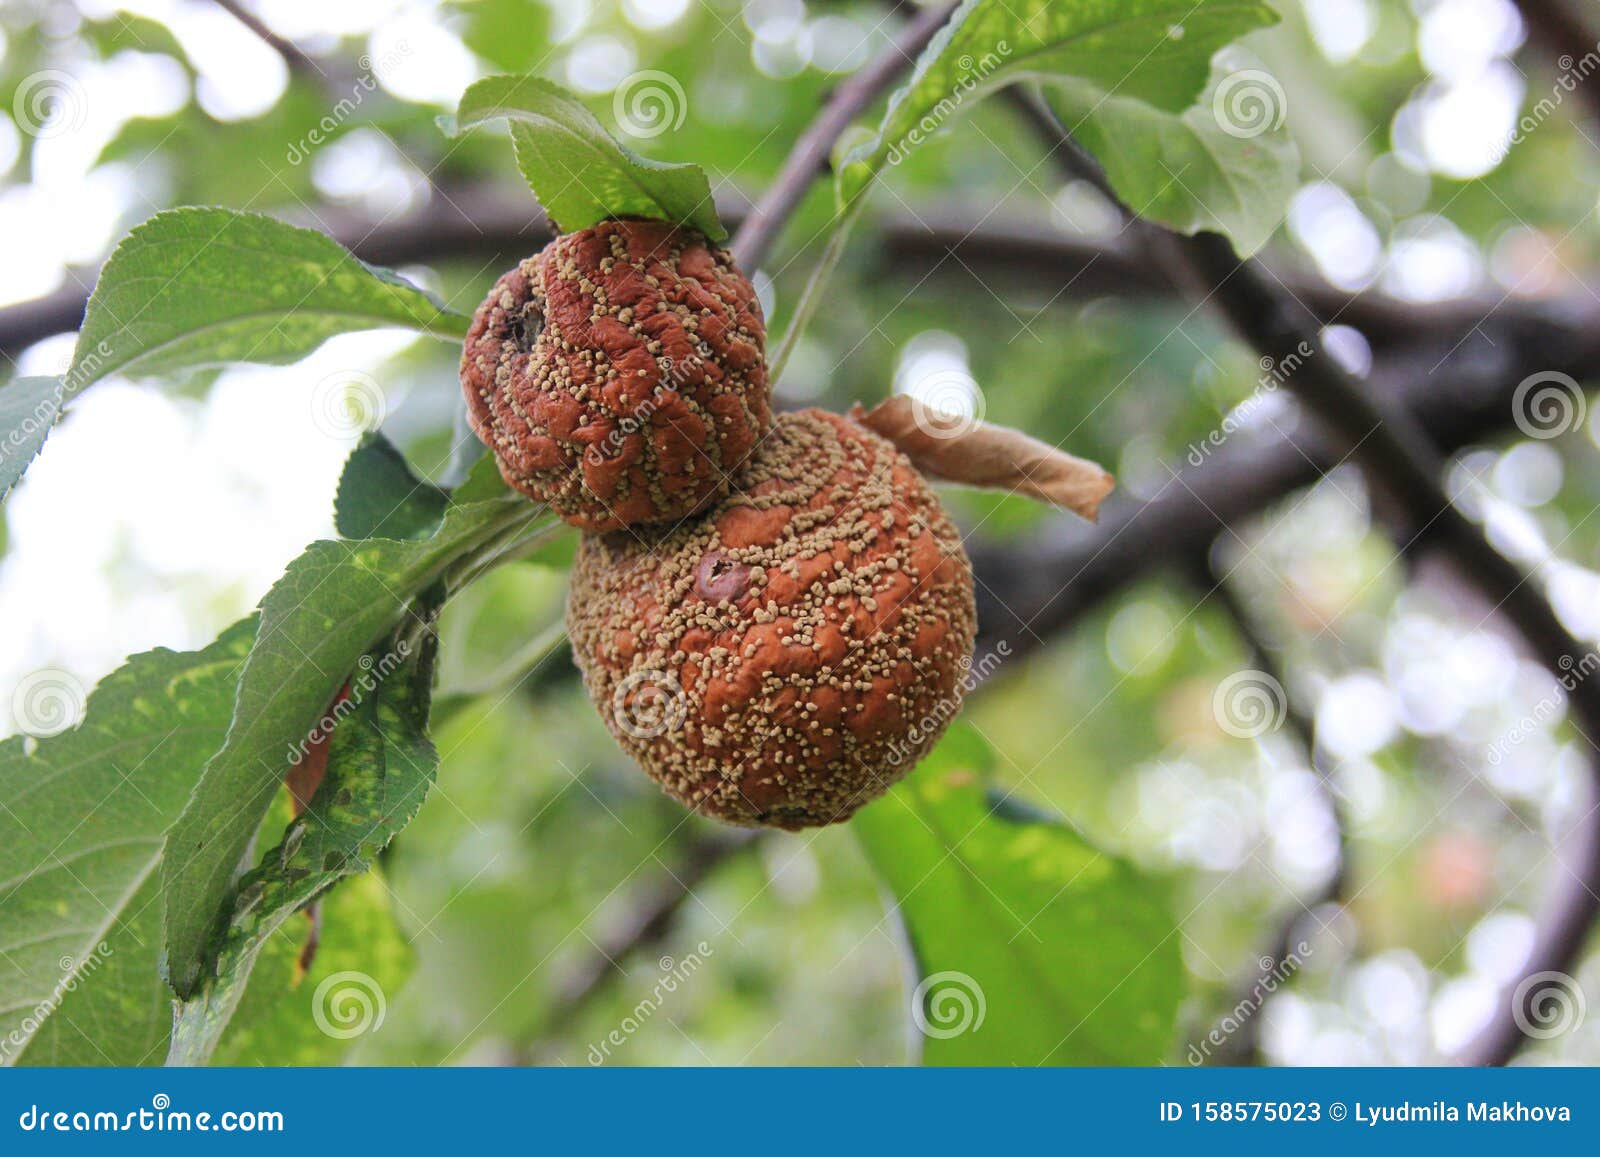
527 324
790 819
719 577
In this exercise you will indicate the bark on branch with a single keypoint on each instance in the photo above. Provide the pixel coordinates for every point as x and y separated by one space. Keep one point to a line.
494 227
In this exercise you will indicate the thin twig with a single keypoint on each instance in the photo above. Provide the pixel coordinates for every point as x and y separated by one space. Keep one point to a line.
810 298
649 923
811 152
1282 955
1220 590
297 58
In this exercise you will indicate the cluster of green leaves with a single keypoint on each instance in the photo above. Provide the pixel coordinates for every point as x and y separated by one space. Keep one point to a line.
182 756
1127 76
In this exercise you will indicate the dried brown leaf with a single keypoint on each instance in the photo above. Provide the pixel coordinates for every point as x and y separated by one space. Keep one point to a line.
987 456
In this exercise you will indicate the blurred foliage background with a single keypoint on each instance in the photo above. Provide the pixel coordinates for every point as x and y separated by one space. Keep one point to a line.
160 513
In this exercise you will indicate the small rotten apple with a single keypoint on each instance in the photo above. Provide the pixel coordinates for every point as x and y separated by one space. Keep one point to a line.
619 375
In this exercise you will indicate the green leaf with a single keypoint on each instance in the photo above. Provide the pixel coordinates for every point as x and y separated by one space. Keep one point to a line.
203 287
1155 51
1033 947
581 174
466 451
81 830
380 497
510 34
362 960
380 766
29 410
1188 170
483 481
333 603
118 1011
124 32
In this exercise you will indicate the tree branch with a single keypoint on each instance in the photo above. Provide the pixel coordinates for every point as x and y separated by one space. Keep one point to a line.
293 55
811 152
497 226
1031 592
649 923
1401 461
1556 30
